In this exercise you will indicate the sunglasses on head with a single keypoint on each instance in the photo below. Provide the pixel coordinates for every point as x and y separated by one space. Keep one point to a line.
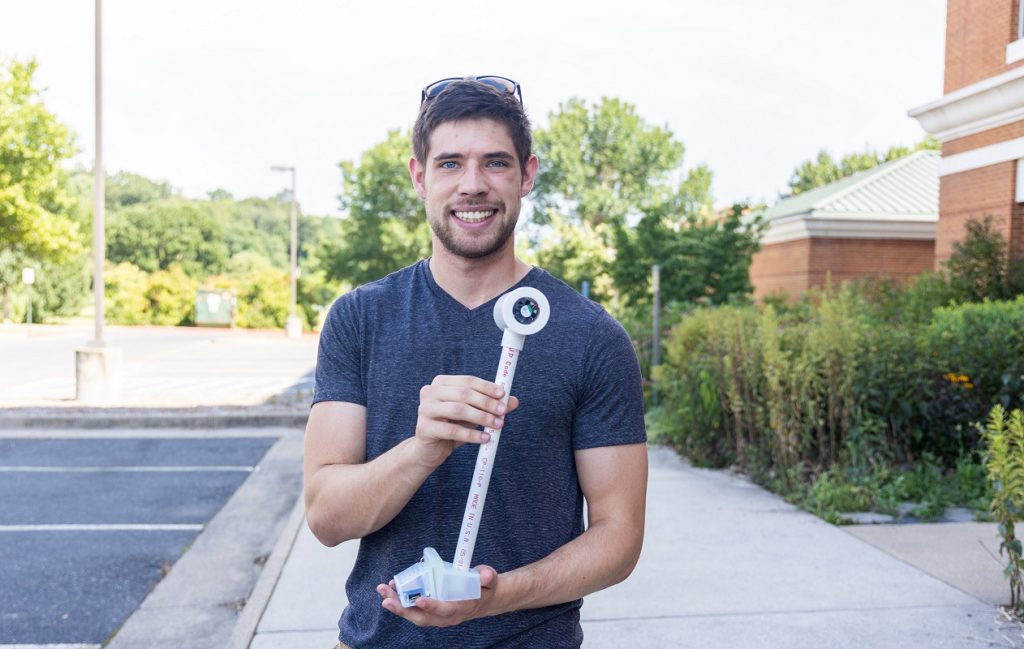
498 83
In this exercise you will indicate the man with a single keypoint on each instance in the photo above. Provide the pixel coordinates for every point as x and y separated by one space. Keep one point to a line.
392 436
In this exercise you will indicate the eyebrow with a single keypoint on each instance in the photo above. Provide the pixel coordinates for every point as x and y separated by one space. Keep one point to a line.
500 155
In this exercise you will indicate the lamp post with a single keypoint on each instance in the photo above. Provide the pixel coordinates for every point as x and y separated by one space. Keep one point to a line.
293 326
98 367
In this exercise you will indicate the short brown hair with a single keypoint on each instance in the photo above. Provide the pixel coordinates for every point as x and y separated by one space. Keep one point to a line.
470 99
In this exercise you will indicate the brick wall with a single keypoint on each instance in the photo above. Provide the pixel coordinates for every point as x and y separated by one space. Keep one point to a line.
985 138
794 266
977 33
974 194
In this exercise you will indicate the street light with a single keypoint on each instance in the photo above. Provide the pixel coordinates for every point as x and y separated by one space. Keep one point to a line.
293 327
97 366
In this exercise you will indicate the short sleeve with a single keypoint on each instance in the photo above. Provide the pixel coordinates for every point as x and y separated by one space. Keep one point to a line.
339 374
611 404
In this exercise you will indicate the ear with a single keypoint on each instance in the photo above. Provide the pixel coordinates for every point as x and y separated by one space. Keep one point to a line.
529 175
417 172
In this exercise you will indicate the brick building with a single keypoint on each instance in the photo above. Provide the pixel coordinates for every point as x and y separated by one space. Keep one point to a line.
980 122
879 222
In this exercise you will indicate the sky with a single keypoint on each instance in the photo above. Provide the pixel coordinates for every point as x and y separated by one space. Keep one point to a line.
210 94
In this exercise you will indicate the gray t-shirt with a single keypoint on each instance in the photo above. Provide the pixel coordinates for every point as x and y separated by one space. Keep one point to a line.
579 387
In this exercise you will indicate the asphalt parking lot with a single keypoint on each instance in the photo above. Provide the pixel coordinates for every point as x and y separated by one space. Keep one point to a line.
88 526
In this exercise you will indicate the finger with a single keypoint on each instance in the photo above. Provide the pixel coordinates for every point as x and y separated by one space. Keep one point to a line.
488 576
459 412
483 400
513 403
472 382
447 430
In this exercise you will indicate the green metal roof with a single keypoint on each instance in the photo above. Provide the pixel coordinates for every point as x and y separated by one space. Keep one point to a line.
908 186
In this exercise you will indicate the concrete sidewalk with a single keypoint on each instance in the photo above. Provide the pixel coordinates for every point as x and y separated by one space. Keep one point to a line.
725 564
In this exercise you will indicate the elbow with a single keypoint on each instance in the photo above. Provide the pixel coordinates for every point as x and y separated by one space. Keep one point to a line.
324 526
630 558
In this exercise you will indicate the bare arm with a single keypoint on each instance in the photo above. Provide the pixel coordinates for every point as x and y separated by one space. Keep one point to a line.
347 497
614 482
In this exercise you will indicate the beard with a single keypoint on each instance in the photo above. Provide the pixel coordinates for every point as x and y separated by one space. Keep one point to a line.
472 247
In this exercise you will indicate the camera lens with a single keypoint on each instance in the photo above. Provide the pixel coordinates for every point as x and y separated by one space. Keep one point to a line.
525 310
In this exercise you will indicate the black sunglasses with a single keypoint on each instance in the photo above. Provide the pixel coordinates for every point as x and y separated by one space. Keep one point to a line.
498 83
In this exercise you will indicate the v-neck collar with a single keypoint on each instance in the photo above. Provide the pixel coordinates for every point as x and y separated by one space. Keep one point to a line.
469 314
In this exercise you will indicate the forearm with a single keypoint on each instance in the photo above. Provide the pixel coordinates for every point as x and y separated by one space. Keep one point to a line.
350 501
602 556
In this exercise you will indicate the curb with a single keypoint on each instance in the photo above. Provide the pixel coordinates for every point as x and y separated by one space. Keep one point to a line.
151 418
249 618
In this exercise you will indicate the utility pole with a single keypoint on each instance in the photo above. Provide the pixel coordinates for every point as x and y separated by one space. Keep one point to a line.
293 326
656 318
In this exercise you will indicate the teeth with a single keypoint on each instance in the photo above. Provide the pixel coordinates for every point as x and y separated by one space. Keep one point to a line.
472 217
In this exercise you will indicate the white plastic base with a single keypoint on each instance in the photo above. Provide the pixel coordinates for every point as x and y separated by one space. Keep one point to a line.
435 578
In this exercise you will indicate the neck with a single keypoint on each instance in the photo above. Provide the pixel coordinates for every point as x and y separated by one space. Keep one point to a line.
473 282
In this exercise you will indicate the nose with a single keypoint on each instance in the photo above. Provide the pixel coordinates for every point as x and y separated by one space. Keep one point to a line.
472 181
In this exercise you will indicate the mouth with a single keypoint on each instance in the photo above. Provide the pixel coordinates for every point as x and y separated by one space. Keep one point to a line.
473 216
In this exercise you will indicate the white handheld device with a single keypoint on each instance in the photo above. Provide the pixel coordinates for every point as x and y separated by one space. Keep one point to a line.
518 313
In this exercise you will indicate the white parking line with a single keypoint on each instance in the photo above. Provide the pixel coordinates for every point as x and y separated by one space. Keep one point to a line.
125 469
116 527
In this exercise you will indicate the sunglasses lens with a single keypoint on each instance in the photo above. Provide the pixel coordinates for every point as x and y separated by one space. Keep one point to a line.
499 83
433 89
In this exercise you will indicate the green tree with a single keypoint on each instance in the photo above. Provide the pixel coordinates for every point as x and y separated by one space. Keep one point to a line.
34 196
602 163
386 227
702 259
824 169
124 189
980 267
153 236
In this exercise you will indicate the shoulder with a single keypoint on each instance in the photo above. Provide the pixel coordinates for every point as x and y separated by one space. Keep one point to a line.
370 296
571 312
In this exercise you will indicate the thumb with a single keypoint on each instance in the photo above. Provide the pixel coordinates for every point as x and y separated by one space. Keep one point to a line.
488 576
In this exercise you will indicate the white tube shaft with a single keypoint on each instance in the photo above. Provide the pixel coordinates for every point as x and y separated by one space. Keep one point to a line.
485 461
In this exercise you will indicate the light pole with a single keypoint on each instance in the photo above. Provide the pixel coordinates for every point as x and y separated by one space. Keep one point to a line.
293 327
98 367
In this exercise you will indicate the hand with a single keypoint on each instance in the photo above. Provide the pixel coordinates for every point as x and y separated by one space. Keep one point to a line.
431 612
451 408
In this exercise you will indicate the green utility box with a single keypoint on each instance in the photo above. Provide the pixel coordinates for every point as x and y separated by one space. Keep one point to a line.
215 308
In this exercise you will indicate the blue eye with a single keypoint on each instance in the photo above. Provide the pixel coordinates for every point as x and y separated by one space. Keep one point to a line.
448 164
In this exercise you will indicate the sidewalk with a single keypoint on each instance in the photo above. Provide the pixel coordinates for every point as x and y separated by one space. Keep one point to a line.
725 564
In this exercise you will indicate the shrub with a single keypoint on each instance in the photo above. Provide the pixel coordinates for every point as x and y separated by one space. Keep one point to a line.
125 289
171 295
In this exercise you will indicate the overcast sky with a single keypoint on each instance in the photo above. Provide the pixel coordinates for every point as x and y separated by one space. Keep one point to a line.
211 93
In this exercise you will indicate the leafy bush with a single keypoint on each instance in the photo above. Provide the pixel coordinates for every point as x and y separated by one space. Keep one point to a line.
171 295
125 288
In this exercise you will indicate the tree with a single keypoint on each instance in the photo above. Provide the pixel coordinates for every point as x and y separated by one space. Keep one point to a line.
153 236
702 259
34 196
125 189
980 267
602 163
386 227
824 169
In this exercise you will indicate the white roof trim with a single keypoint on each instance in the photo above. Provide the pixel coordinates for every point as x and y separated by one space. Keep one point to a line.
982 157
975 108
816 228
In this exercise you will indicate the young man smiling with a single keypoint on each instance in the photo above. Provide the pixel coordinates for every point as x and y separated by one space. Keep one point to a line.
392 436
